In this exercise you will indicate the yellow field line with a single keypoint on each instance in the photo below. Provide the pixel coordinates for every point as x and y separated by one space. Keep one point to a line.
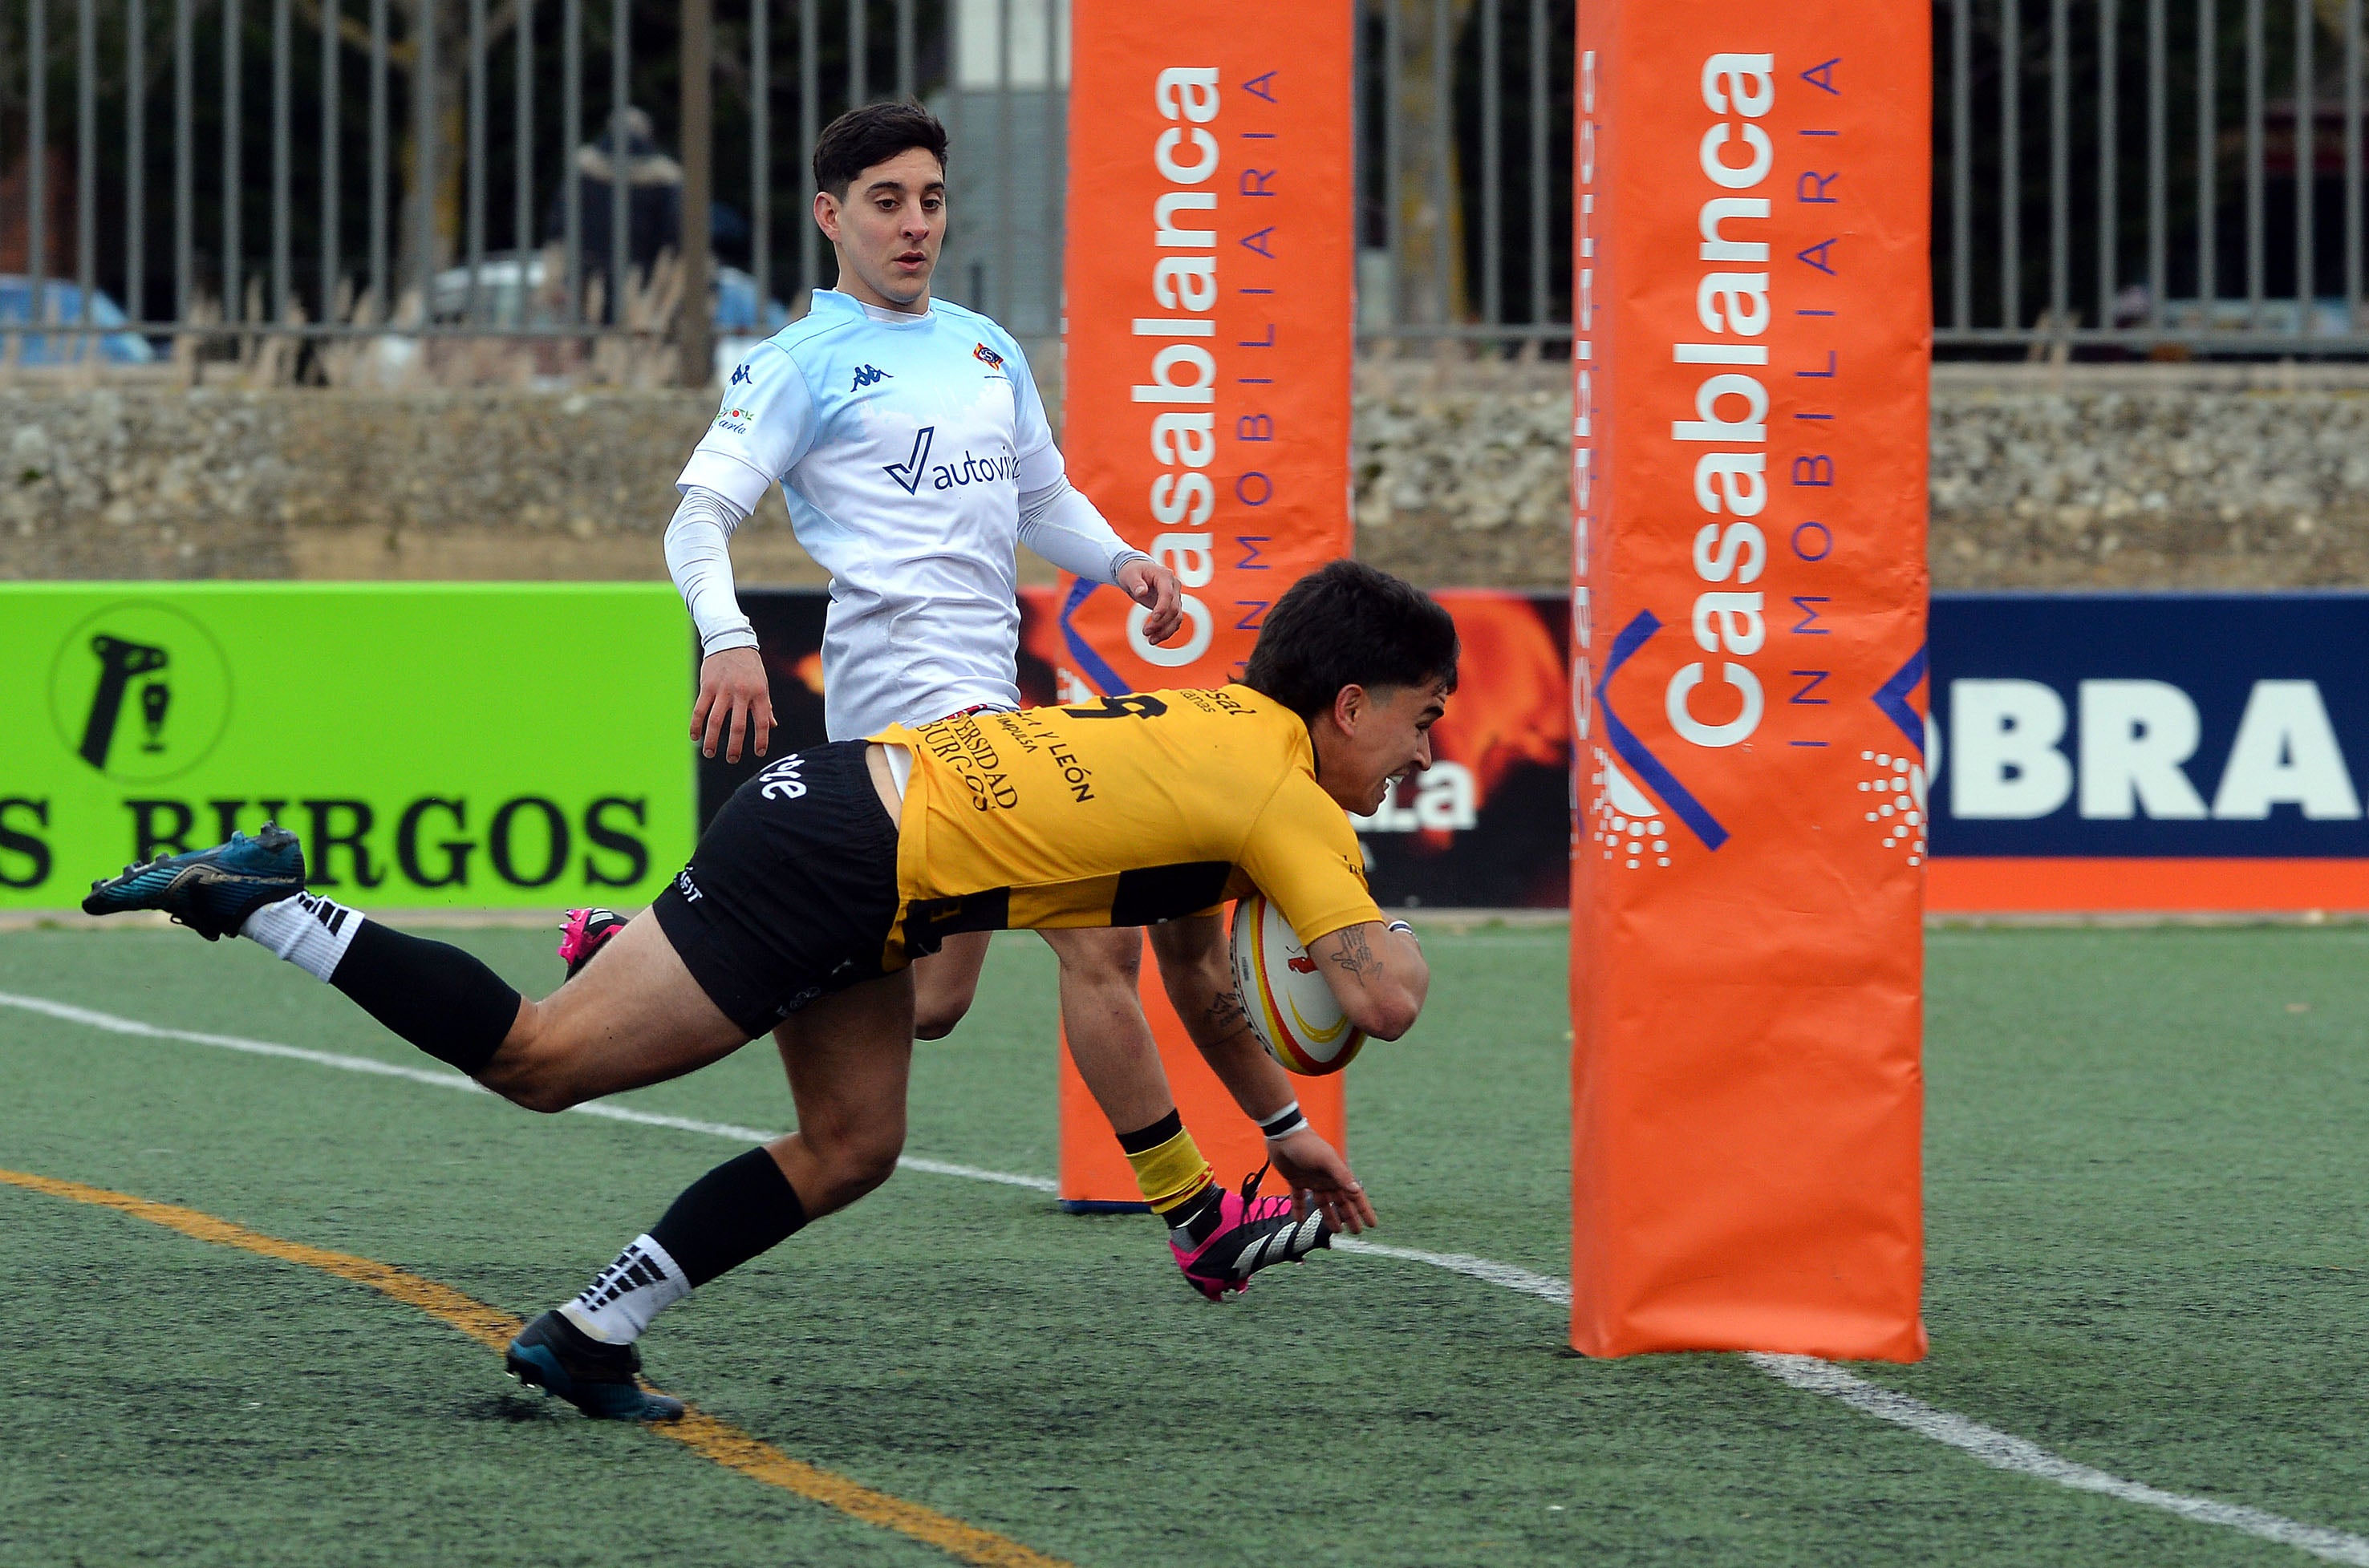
717 1440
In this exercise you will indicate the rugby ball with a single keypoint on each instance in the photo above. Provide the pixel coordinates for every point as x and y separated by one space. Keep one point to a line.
1291 1009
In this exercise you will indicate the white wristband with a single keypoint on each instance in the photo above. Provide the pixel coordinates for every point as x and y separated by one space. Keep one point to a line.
1284 1123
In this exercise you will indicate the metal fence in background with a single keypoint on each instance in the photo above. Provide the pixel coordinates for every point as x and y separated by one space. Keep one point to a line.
2149 176
327 169
475 168
2111 177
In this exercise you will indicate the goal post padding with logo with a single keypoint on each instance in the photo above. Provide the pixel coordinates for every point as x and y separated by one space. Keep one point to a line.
1205 396
1751 335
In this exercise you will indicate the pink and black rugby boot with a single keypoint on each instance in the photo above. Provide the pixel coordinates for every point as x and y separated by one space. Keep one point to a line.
585 932
1252 1233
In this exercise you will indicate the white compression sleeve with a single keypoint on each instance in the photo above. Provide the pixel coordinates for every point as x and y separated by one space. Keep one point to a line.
1059 523
699 556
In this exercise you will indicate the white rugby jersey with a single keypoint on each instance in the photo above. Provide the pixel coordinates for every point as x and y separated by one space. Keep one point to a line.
902 444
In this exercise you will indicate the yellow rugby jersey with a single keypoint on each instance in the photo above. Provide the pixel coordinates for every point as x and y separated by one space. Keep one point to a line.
1127 811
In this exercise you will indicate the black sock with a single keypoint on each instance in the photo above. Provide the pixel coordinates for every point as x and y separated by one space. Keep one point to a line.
1198 1219
1149 1138
742 1207
437 996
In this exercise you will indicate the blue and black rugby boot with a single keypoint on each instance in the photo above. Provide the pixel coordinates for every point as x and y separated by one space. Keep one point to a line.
210 891
556 1356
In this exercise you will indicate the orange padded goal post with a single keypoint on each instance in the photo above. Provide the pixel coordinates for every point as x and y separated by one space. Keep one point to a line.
1206 404
1752 333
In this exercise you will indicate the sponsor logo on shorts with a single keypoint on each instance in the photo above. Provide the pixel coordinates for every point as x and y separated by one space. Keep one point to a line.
781 781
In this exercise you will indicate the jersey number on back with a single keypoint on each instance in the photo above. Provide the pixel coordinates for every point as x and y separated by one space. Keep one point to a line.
1135 706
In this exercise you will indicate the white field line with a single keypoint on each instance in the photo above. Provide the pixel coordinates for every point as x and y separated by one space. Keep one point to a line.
1545 1286
1998 1449
435 1079
2002 1451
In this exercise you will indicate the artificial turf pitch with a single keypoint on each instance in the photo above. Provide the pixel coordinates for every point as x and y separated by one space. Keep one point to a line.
2145 1253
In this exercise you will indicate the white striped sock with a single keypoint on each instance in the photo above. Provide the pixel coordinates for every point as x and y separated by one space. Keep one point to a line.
311 932
621 1301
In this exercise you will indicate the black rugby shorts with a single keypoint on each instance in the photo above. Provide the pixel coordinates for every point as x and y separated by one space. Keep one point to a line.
792 891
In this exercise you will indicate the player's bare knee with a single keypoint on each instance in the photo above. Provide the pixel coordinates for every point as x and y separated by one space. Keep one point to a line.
938 1024
872 1165
938 1006
533 1084
1109 959
856 1163
857 1144
528 1073
1193 954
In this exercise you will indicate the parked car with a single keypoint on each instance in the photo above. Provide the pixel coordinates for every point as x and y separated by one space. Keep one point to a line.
510 293
62 302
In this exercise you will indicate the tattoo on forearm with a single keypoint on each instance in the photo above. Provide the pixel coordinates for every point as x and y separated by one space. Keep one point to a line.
1358 957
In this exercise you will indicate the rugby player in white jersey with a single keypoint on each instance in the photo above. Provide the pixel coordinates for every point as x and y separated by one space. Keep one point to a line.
913 452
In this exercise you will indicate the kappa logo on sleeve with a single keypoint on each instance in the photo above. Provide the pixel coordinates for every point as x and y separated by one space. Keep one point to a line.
739 376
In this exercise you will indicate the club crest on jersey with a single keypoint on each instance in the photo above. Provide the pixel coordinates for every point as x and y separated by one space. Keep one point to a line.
868 376
988 357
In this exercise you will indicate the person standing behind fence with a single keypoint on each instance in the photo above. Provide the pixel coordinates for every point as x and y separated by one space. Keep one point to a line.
913 452
653 199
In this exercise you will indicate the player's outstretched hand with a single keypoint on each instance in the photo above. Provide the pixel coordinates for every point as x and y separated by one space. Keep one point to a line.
734 700
1319 1178
1153 586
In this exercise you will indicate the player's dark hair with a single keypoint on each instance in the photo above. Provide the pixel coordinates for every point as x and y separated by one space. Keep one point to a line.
1349 624
874 134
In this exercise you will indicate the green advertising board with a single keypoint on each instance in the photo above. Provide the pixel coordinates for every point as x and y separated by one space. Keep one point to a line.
470 745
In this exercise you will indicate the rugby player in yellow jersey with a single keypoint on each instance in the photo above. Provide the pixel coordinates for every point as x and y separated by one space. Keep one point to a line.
827 873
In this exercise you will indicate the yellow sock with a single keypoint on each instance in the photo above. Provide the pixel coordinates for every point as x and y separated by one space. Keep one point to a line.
1171 1173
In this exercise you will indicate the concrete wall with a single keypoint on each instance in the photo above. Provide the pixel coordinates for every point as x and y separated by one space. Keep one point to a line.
2043 476
2154 477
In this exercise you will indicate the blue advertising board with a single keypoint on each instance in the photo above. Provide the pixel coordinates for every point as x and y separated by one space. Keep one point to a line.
2149 725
